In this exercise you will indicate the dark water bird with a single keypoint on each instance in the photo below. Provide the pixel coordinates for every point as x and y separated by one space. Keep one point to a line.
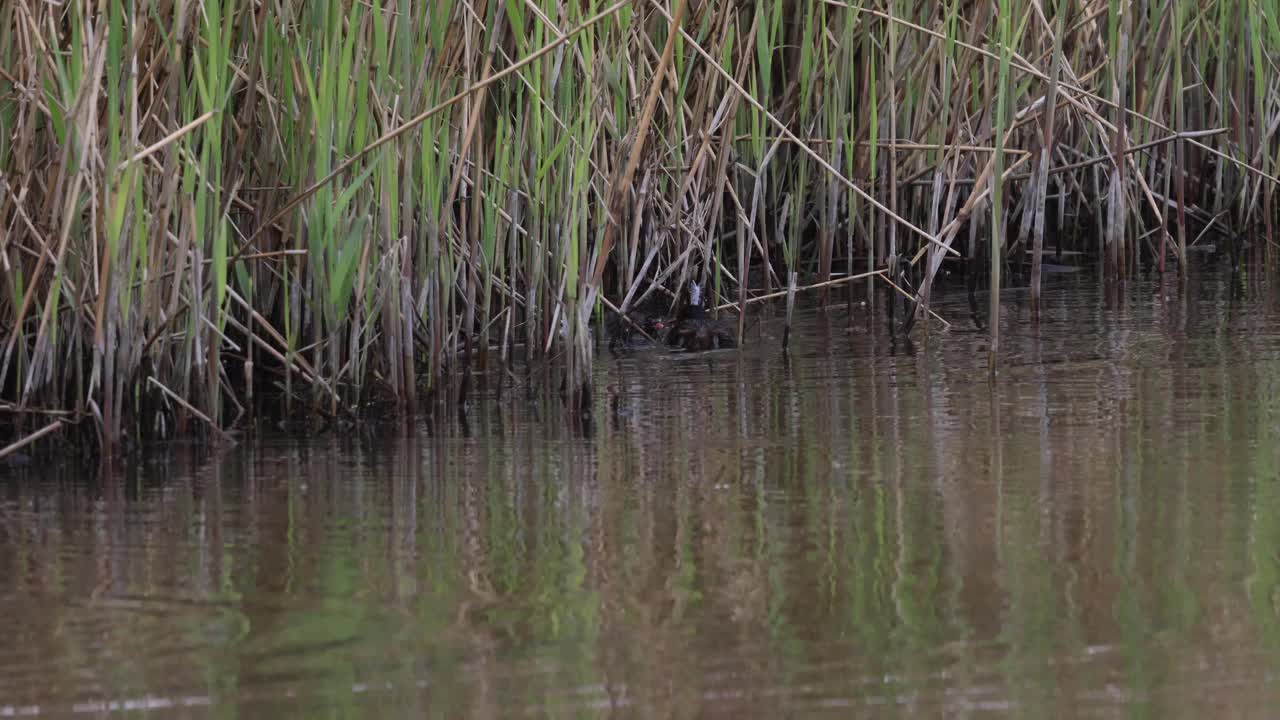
694 331
630 332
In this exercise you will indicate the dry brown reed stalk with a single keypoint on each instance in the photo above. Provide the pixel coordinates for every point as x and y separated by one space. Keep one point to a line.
17 445
806 288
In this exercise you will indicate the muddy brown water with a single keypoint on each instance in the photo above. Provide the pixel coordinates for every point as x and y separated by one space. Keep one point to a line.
865 529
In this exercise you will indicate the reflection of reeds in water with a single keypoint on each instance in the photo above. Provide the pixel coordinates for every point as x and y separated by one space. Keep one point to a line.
786 535
210 205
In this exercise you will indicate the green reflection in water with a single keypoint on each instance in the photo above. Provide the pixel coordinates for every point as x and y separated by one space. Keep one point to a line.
855 530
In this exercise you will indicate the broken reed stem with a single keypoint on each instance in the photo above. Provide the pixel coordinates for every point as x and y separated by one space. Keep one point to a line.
885 277
169 139
1132 149
52 427
626 319
191 409
815 286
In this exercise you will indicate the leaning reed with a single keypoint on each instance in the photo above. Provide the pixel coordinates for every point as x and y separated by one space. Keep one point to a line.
208 202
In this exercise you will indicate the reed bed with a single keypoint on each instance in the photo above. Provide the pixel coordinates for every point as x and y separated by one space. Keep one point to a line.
211 205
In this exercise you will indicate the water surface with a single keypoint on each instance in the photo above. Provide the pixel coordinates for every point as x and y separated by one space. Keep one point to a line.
862 529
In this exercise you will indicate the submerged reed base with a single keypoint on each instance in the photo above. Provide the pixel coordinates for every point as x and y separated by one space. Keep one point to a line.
213 207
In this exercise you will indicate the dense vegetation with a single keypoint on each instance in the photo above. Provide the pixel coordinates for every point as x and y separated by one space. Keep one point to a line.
203 202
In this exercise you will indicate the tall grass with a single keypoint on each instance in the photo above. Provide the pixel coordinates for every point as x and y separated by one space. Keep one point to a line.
214 204
1004 20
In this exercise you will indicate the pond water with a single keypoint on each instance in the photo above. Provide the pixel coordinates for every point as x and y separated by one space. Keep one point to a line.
863 529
